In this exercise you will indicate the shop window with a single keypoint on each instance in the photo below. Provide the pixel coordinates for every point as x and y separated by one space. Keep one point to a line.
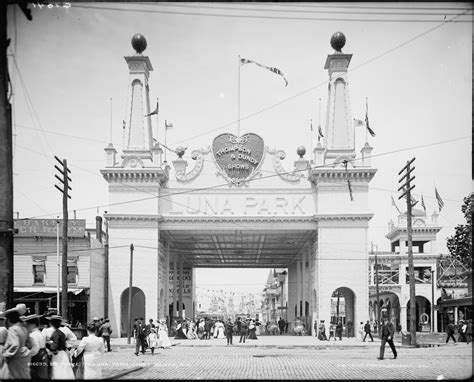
72 274
39 271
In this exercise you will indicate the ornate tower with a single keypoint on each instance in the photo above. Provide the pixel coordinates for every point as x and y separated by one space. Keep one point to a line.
339 132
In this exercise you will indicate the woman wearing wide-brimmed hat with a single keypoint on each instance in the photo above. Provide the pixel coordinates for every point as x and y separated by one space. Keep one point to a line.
16 354
39 367
163 339
60 363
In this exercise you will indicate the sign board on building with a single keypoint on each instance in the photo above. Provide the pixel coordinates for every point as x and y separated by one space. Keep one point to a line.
238 158
48 228
187 282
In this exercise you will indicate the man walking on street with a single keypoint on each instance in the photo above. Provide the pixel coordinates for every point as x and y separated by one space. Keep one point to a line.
243 331
281 325
106 330
367 331
450 332
140 336
388 331
229 331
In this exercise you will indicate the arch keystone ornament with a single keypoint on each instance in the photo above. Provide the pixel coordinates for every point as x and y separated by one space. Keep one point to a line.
238 158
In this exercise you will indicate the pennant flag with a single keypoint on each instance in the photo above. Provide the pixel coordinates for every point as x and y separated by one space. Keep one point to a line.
154 111
168 125
440 201
394 204
371 132
320 132
423 203
358 122
311 124
414 202
244 61
123 123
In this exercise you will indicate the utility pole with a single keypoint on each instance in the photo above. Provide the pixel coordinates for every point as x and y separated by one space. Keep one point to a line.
130 295
65 191
377 292
406 188
106 266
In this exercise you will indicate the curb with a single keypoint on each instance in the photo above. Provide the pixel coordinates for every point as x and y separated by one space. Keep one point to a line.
123 373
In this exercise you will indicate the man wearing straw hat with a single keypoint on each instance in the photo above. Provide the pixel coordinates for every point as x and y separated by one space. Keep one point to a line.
16 353
39 366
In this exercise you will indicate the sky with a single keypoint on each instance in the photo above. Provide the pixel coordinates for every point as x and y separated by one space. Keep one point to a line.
415 70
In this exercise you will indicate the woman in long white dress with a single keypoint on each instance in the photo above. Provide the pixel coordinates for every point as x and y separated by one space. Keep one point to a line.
163 339
93 348
219 330
192 335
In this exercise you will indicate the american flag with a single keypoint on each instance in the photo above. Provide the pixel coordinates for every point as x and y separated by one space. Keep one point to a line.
244 61
440 201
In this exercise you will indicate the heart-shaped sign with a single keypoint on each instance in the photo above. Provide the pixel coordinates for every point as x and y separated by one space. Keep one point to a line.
238 158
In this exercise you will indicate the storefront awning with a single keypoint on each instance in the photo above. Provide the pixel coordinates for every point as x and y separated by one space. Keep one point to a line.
43 289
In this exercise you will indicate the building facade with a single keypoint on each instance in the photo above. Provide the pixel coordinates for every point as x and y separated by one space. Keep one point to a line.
311 220
37 267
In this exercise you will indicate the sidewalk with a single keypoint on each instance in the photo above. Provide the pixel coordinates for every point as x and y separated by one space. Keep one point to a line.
265 341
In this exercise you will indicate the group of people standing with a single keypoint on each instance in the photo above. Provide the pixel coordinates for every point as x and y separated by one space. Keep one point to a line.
335 330
205 329
52 353
150 335
464 329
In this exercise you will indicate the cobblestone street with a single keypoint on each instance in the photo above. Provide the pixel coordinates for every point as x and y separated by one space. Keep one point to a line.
288 357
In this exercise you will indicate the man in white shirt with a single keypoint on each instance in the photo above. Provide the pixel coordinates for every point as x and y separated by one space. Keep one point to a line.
70 336
39 356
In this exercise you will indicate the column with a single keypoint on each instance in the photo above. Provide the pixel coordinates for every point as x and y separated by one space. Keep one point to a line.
175 282
298 288
180 290
403 317
455 314
167 278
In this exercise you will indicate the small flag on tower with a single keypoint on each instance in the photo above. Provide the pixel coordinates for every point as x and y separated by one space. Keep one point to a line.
154 111
371 132
168 125
123 120
244 61
320 132
311 124
423 203
394 204
358 122
440 201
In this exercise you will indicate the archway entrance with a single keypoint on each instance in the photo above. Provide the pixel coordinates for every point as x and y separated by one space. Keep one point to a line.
138 308
423 308
343 308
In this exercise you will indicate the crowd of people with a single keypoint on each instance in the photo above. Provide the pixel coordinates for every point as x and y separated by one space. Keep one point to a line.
26 352
150 336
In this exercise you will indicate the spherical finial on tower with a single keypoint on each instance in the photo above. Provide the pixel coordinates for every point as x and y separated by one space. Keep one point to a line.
139 43
338 40
301 151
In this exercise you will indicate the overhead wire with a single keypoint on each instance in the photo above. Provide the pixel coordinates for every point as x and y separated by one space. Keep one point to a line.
109 8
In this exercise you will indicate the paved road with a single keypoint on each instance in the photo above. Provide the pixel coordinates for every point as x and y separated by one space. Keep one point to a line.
293 358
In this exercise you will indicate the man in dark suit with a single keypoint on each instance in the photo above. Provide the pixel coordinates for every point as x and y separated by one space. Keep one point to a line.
139 331
388 330
281 325
367 332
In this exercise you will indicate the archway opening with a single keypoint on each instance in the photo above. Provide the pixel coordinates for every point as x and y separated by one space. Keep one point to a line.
343 309
423 311
137 309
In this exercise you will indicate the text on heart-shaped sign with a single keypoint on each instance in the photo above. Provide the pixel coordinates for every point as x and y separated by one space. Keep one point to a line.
238 158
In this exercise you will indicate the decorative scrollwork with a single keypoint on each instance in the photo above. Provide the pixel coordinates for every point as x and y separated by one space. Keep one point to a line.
278 156
196 155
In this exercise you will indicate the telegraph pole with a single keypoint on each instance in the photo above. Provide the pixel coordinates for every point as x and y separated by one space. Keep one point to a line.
65 191
378 294
130 296
106 266
406 188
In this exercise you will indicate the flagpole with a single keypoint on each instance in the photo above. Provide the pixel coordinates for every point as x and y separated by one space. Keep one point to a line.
165 141
366 118
110 120
312 135
319 119
157 119
238 98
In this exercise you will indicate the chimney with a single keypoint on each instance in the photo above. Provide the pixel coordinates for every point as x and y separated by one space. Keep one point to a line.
98 228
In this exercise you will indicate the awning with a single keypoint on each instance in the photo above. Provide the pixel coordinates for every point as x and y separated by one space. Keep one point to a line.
43 289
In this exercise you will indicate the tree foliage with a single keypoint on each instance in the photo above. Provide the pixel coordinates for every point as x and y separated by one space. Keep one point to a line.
460 244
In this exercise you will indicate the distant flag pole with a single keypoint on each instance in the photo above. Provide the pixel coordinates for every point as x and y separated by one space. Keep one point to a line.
311 140
320 132
238 95
123 133
423 203
440 201
395 205
167 127
110 120
157 117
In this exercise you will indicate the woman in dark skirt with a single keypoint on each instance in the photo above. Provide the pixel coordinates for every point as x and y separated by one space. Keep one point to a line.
39 367
180 334
252 331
